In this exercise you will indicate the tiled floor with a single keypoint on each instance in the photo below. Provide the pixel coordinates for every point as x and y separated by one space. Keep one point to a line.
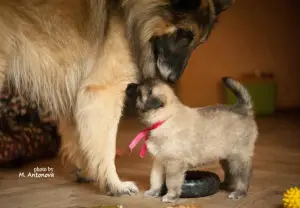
276 168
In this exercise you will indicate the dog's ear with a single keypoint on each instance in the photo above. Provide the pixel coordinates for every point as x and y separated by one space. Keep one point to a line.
222 5
185 5
217 6
153 103
188 5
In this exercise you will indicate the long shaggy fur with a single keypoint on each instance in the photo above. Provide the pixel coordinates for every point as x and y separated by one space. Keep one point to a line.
74 58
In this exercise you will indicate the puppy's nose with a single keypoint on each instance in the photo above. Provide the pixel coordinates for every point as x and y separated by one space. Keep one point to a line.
131 90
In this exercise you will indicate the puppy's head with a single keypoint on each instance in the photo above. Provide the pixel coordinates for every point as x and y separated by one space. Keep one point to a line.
151 97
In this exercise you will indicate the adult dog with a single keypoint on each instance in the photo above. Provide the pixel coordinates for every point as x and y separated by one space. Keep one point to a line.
76 57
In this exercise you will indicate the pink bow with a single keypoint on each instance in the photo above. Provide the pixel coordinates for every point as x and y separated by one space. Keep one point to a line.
144 133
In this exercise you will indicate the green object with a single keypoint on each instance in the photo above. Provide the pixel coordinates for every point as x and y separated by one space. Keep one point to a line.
263 93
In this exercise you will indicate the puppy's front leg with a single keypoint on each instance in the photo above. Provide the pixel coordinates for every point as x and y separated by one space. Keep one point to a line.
156 179
174 181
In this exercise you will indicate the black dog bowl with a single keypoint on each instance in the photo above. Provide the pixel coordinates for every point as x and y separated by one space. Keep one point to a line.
198 184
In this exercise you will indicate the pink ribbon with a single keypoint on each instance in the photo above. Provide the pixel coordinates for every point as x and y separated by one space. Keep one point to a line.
141 135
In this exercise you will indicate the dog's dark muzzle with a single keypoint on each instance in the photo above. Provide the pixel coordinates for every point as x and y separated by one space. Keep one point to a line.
172 53
176 67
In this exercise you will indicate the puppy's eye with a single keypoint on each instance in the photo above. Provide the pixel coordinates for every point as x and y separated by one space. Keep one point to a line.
153 103
150 92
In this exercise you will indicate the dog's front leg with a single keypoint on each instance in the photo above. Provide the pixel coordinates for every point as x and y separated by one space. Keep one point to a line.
98 113
156 179
70 151
174 181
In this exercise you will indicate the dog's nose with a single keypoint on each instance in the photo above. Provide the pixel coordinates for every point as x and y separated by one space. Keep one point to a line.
131 90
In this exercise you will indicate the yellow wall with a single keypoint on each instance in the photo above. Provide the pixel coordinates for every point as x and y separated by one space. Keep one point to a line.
251 35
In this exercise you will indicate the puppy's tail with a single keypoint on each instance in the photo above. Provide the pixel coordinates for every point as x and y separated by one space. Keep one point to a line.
244 99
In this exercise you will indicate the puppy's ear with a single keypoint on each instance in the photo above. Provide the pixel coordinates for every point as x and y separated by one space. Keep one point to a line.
131 89
185 5
153 103
222 5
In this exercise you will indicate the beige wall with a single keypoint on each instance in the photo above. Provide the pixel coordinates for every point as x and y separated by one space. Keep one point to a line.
252 35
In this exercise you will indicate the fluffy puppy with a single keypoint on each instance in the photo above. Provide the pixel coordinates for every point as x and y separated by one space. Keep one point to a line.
191 137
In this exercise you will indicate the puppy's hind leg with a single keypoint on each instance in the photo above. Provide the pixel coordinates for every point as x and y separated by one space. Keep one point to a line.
175 173
227 184
156 179
241 171
98 113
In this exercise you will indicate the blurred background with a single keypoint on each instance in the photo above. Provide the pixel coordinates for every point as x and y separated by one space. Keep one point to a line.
259 37
256 42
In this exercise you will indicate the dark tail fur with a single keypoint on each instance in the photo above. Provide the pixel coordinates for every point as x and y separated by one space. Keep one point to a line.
244 98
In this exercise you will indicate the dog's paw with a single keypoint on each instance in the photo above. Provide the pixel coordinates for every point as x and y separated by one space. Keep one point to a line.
236 195
126 188
81 178
84 180
152 193
169 199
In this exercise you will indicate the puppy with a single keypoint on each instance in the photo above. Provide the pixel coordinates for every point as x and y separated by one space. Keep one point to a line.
191 137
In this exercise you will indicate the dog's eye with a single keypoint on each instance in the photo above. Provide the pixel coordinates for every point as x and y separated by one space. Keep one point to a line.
184 37
182 33
179 15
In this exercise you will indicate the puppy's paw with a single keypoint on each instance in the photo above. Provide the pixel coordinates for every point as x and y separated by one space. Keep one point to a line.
152 193
169 199
126 188
236 195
